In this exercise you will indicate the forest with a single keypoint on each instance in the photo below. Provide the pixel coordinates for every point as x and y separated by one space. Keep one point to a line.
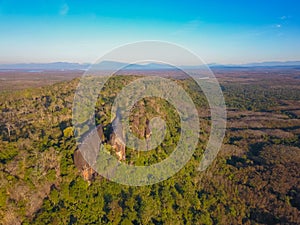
255 178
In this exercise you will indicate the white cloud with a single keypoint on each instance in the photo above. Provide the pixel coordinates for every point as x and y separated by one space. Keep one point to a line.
283 17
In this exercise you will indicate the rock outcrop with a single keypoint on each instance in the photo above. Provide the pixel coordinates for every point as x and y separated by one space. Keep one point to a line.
114 136
117 139
80 162
87 172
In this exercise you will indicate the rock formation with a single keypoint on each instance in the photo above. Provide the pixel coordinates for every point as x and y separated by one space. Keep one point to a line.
117 139
114 136
86 170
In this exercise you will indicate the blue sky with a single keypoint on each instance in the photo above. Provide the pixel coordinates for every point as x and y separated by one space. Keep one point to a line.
82 31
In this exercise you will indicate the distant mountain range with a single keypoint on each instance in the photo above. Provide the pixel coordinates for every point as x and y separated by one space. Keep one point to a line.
44 66
263 64
111 65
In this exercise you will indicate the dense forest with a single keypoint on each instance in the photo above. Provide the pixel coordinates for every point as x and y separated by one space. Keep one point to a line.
254 180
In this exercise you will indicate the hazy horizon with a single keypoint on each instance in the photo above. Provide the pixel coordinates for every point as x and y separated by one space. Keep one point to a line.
293 62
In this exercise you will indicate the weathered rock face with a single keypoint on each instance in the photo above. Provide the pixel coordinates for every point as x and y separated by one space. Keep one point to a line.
117 139
100 133
147 129
87 172
119 146
114 137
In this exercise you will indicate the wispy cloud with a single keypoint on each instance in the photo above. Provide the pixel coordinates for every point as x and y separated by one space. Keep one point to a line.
283 17
283 21
64 9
